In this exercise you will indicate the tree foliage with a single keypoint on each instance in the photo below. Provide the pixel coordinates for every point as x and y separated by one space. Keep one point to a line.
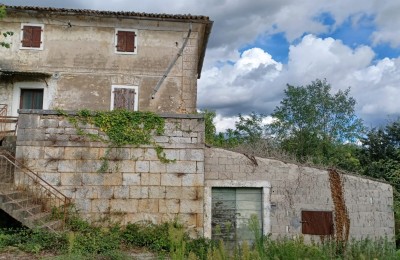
311 121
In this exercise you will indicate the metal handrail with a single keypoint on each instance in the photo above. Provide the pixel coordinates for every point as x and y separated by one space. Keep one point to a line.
38 189
4 120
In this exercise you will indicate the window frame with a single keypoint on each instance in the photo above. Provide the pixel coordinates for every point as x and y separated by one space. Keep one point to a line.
34 92
136 100
21 47
116 41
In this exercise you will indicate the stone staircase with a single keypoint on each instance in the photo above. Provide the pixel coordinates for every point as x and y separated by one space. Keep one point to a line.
26 197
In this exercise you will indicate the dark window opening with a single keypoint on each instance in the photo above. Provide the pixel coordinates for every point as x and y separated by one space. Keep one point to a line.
126 41
317 222
31 99
31 36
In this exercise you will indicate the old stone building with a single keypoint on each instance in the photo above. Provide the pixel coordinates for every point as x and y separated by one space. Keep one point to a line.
214 192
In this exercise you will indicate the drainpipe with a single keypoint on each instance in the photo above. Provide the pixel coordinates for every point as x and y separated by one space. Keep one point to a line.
179 54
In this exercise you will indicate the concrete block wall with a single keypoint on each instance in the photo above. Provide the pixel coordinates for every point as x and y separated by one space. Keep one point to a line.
295 188
136 186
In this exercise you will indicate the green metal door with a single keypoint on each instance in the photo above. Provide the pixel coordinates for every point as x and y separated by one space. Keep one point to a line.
232 209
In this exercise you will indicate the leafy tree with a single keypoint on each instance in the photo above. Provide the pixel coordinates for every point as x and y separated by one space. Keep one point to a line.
5 34
311 122
249 129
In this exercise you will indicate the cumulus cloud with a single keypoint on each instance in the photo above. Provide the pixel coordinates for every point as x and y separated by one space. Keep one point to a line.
255 81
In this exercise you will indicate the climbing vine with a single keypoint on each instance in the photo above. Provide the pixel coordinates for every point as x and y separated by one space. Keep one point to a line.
342 220
122 127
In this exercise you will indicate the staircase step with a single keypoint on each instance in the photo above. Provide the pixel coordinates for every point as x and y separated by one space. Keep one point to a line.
37 219
17 204
11 195
28 211
52 225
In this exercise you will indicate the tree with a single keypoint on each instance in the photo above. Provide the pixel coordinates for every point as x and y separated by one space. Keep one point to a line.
311 122
5 34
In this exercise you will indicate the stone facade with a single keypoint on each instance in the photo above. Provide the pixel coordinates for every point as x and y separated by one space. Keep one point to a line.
136 186
78 65
294 188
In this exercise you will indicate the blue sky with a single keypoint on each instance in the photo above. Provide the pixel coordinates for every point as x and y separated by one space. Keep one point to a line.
258 46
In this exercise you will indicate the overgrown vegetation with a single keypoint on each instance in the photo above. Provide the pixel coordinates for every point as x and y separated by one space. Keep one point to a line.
84 241
312 126
5 34
122 127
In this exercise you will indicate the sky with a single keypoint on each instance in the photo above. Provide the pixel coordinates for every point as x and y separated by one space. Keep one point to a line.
256 47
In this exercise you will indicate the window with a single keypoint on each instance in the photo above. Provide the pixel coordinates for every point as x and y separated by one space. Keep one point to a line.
232 209
124 97
32 36
125 41
317 222
31 99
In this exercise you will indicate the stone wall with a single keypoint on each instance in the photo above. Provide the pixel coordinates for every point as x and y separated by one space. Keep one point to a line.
136 186
294 188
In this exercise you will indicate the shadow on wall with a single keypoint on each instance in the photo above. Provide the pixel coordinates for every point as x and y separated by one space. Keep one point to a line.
6 221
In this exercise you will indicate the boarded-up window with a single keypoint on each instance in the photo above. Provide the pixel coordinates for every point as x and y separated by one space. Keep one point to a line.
317 222
31 99
232 210
124 98
31 36
126 41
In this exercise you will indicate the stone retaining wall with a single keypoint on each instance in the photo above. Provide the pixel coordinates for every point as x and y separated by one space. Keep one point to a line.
136 186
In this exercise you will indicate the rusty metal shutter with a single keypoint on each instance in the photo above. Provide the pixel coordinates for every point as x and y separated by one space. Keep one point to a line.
31 36
232 209
126 41
317 222
124 98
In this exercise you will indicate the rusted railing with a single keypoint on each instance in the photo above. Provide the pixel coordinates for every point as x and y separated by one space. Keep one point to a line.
8 124
34 189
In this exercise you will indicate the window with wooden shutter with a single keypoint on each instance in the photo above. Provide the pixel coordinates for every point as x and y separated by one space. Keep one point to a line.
124 97
31 36
125 41
317 222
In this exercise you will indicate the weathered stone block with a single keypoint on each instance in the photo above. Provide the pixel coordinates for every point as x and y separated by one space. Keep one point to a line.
157 192
182 167
193 180
150 179
124 205
148 205
73 179
157 167
138 192
170 179
121 192
49 123
100 205
142 166
112 179
168 206
93 179
191 206
67 166
130 179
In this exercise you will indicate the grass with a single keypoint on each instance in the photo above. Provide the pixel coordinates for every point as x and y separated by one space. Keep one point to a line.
169 240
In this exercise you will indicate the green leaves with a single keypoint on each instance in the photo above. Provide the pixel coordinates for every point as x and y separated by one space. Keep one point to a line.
310 120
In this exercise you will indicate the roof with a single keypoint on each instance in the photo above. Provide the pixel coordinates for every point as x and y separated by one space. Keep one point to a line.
128 15
110 13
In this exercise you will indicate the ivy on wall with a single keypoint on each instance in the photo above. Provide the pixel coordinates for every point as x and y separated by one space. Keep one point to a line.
122 127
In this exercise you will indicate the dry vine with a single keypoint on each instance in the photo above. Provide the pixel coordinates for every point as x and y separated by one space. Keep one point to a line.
342 220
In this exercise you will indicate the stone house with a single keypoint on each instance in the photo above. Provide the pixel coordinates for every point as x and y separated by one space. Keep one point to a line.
214 192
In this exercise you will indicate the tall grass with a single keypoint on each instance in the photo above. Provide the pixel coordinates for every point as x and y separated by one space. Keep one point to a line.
170 240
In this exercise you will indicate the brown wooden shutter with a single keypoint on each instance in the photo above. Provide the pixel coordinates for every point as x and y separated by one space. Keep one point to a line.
124 98
36 36
317 222
121 41
31 36
126 41
130 41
